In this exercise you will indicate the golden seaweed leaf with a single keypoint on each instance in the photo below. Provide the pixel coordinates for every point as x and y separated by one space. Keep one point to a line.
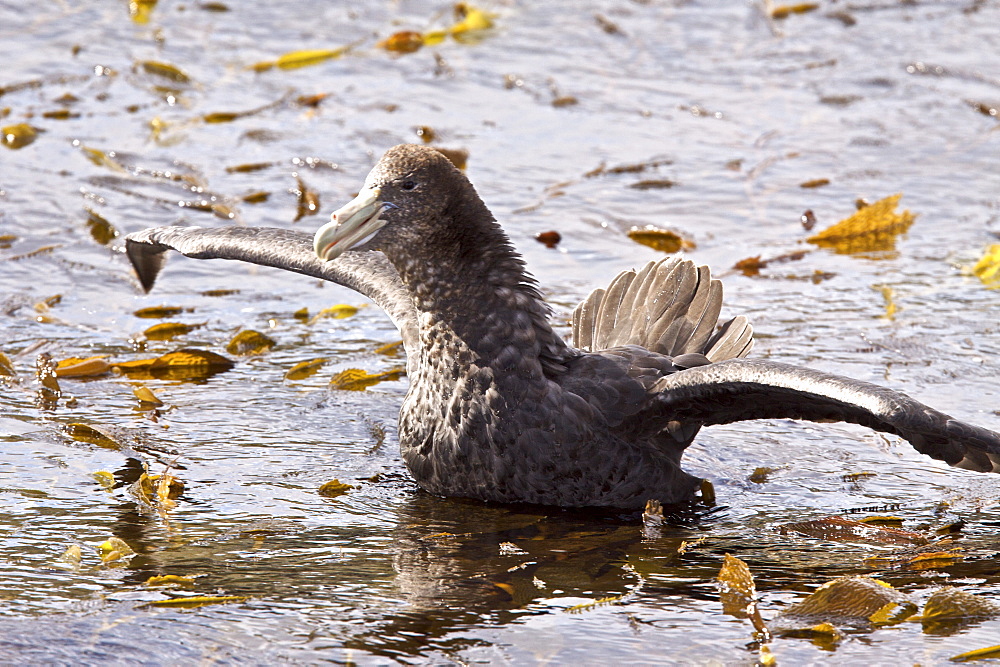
470 24
70 559
784 11
192 357
164 70
847 599
873 228
7 366
100 229
140 10
738 594
950 604
839 529
19 135
249 342
390 349
663 240
304 369
105 479
761 474
307 200
76 368
169 330
887 521
338 312
815 183
977 654
987 269
114 550
159 312
90 434
334 488
355 379
405 41
736 587
185 364
303 58
146 396
169 580
159 490
195 601
889 295
472 18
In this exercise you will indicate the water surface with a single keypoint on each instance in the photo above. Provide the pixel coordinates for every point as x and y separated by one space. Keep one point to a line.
736 109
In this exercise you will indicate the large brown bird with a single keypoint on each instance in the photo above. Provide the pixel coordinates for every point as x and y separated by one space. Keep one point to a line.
499 407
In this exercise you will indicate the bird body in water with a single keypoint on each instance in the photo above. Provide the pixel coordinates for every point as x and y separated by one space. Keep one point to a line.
499 407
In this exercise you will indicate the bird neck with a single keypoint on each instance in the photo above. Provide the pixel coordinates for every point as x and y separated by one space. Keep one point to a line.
475 293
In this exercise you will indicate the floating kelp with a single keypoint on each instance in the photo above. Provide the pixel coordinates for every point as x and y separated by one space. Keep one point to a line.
188 364
89 367
169 330
307 200
470 25
663 240
100 229
839 529
303 58
873 228
160 312
19 135
304 369
338 312
355 379
195 601
334 488
987 269
738 594
248 342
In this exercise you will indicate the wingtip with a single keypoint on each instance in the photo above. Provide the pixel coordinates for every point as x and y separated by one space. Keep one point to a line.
147 259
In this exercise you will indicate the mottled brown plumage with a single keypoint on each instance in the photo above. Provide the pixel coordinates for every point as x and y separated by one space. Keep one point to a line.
500 407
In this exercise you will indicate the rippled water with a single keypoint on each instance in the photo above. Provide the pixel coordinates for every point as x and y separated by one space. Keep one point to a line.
739 110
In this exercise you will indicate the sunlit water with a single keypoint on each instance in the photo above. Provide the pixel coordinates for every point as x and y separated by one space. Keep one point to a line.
739 110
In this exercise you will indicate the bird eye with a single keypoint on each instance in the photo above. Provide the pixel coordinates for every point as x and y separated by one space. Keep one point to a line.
408 185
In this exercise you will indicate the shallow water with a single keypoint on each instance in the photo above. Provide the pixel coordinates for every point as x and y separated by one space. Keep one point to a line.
739 109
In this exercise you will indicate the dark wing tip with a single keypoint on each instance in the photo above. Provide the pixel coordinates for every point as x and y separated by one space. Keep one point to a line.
147 257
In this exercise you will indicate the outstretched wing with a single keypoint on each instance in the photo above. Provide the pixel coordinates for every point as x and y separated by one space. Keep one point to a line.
670 307
367 272
739 390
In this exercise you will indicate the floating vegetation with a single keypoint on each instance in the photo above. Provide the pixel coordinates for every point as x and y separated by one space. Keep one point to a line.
297 59
169 330
338 312
334 488
160 312
307 202
163 70
304 369
188 364
873 228
550 239
663 240
77 368
18 136
249 342
987 269
470 23
100 229
355 379
784 11
195 601
147 399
